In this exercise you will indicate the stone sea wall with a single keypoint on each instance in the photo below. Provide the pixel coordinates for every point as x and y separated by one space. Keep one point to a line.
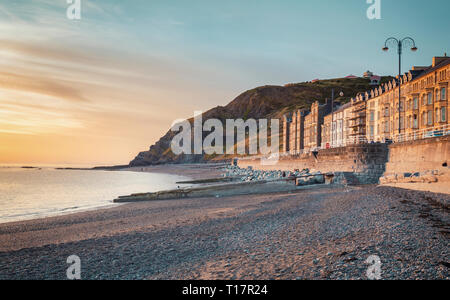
366 163
419 156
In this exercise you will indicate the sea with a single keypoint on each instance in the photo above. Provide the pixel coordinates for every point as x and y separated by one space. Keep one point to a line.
31 193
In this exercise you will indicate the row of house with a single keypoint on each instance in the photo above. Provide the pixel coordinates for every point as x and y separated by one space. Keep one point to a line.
377 115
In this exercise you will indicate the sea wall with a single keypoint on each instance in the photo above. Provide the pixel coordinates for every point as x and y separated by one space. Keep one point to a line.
419 156
421 165
366 162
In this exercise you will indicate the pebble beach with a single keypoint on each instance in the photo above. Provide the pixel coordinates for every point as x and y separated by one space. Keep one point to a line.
319 233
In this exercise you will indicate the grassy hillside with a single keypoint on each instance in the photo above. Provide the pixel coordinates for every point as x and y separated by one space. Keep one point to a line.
262 102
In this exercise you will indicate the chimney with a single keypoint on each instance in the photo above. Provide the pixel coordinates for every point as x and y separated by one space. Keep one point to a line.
438 59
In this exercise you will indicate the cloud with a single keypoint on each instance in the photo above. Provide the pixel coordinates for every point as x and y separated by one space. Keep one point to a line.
89 81
39 85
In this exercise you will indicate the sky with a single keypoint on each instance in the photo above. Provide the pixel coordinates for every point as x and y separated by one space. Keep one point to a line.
98 90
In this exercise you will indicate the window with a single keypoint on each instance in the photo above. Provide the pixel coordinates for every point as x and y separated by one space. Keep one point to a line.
415 122
372 116
430 117
443 114
402 123
443 95
424 118
372 131
424 100
430 98
416 103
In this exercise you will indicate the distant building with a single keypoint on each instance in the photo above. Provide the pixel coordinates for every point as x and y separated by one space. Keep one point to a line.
296 132
351 77
367 74
357 122
424 104
312 136
335 131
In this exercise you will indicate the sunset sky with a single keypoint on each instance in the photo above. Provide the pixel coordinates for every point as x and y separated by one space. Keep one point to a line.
101 89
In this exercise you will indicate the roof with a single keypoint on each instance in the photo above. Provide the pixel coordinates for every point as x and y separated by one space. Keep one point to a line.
345 106
431 69
341 108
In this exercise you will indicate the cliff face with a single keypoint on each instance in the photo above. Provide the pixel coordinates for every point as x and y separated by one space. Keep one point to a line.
262 102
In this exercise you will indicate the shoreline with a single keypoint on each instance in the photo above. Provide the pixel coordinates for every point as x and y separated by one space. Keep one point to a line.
183 171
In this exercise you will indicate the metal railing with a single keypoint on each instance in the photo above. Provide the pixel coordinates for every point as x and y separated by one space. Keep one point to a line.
421 134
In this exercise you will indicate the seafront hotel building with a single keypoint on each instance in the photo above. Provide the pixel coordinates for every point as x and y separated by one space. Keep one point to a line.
378 115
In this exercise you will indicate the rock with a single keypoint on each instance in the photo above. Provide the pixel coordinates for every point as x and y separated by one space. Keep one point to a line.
319 179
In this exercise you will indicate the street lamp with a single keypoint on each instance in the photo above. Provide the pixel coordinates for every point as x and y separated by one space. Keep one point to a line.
400 44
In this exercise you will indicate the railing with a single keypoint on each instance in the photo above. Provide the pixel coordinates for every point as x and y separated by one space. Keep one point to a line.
423 134
358 139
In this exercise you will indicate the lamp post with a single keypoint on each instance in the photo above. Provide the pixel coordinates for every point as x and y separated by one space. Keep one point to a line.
400 43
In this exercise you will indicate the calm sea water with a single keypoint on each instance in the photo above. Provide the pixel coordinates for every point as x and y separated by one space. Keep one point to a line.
36 193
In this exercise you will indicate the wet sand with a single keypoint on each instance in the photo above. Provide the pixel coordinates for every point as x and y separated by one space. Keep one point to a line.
314 234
